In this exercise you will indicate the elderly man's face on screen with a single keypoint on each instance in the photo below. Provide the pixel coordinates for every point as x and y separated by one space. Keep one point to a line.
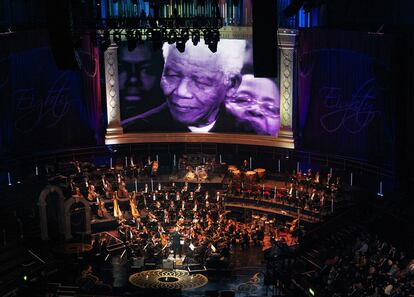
257 102
196 83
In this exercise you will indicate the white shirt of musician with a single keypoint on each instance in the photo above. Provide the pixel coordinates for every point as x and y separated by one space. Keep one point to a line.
290 191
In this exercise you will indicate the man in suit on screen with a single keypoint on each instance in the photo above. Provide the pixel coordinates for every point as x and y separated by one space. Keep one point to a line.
197 82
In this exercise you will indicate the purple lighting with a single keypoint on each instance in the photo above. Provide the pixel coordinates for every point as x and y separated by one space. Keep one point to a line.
197 90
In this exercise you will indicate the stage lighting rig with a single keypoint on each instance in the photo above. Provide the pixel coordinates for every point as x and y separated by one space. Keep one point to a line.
172 36
181 41
117 36
105 40
156 36
211 39
131 40
195 37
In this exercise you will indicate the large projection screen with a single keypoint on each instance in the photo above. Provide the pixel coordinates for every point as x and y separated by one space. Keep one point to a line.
166 95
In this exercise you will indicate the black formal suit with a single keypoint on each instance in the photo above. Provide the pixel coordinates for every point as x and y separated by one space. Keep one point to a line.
160 119
176 244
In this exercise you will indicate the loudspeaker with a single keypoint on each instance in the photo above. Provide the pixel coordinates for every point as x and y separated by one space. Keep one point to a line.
60 35
265 38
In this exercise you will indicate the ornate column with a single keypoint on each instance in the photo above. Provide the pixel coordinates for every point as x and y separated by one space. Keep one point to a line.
287 45
112 90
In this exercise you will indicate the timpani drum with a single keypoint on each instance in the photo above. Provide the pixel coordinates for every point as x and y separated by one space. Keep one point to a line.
250 176
231 168
236 174
261 173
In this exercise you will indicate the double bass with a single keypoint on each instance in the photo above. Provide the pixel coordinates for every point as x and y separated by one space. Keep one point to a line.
102 211
154 168
294 226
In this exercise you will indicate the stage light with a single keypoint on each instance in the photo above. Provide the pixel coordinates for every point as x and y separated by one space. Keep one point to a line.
181 41
195 37
138 36
172 36
117 37
131 40
211 38
105 40
25 278
156 38
207 36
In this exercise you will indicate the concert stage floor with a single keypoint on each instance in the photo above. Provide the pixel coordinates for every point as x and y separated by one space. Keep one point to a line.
244 275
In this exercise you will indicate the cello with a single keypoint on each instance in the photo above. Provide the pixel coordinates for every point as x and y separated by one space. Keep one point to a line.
154 168
102 211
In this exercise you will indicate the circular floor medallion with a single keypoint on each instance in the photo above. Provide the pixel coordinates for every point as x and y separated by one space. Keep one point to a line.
168 279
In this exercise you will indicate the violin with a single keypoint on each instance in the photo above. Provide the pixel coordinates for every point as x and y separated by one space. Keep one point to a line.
92 195
102 211
122 191
154 167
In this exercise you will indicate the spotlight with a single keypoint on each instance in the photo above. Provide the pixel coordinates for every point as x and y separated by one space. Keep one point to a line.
211 38
105 40
117 37
172 36
195 37
213 47
181 41
131 40
180 46
207 36
156 37
138 35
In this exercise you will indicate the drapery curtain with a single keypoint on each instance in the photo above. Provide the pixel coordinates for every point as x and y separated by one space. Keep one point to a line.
41 106
345 94
89 57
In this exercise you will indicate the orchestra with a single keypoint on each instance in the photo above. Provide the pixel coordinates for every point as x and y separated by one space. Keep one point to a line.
190 219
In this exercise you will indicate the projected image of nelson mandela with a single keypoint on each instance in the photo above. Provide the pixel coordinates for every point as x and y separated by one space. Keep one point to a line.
197 82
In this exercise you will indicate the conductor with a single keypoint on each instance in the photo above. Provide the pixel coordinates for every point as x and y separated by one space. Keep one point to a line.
176 242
